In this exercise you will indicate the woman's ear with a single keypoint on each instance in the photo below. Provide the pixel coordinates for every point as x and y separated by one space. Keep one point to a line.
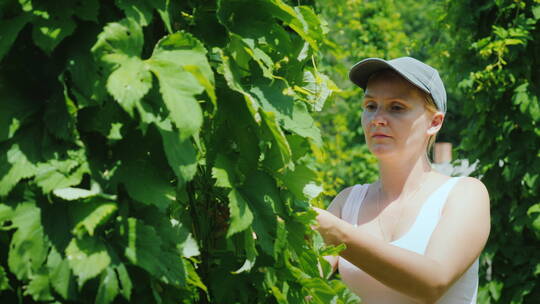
436 123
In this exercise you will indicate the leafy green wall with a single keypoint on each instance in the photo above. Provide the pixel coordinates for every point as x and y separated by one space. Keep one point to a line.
160 152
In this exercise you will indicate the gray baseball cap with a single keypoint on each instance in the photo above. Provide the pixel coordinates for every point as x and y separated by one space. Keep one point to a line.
418 73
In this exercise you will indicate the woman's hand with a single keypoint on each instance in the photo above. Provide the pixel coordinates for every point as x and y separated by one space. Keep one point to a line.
331 227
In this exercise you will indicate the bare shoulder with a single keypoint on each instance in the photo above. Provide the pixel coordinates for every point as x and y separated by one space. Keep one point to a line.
468 192
470 186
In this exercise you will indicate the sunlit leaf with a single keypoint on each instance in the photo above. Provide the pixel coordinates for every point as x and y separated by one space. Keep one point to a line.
87 257
39 287
241 215
108 287
14 166
61 276
28 248
119 40
179 85
89 215
181 155
130 82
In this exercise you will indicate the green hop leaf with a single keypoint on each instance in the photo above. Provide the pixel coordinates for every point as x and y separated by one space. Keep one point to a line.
87 257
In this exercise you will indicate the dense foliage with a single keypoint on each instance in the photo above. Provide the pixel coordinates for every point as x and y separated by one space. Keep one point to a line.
159 151
494 59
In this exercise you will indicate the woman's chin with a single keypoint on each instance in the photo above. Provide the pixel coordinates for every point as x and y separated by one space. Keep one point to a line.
381 151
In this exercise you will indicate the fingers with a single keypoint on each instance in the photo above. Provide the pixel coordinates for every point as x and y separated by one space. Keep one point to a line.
316 209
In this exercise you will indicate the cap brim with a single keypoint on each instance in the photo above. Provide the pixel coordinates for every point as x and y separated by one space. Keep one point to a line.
415 72
361 71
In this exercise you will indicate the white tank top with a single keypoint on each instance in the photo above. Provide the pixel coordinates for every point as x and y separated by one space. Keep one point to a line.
371 291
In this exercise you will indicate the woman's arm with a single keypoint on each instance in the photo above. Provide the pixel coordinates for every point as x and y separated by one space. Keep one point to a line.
456 242
335 208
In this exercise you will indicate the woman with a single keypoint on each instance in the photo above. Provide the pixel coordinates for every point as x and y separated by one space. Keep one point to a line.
415 235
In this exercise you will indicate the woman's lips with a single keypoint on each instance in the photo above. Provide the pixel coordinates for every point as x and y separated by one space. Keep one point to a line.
380 136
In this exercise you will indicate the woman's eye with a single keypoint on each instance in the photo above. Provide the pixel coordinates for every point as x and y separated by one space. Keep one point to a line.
397 108
371 106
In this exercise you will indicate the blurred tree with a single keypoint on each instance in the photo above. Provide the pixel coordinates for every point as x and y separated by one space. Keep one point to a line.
494 59
424 24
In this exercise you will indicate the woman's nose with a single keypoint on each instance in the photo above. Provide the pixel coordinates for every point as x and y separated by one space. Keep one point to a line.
379 118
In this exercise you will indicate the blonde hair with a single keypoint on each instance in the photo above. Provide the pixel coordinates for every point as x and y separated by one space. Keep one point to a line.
430 106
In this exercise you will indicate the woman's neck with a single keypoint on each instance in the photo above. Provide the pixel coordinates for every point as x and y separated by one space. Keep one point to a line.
402 176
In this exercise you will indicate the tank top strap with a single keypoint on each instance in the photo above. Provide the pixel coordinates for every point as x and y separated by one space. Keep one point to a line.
442 194
436 201
417 237
350 209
